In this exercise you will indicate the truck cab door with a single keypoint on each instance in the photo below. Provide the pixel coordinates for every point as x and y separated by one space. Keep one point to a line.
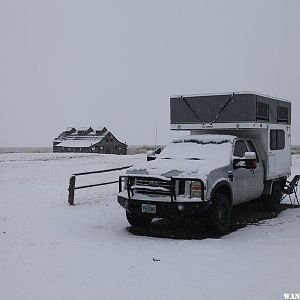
257 177
240 176
247 183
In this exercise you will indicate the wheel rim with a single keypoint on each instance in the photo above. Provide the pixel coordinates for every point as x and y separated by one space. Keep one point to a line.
222 214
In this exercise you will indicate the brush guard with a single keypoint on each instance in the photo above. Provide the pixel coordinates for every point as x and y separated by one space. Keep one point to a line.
163 188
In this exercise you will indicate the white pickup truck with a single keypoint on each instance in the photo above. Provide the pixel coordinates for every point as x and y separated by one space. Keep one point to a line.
216 167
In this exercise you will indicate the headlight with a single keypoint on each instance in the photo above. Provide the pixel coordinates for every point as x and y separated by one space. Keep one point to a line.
125 182
196 189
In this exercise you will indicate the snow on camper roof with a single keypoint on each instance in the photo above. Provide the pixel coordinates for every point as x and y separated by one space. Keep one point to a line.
230 93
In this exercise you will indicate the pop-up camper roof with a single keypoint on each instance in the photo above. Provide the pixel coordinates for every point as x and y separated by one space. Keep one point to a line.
243 109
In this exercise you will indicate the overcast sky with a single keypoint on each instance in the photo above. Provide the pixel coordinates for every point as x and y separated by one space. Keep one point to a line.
115 63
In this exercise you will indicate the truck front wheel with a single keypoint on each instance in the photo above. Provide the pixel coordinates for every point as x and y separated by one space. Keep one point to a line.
138 221
220 214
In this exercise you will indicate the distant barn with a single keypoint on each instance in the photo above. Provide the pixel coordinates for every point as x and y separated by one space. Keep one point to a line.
88 140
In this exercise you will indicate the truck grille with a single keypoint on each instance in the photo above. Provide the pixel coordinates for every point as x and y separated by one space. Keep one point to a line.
152 186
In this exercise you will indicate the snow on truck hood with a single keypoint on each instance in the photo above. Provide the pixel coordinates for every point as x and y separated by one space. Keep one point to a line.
191 156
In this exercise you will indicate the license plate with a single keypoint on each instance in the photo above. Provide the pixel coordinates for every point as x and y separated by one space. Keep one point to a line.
148 208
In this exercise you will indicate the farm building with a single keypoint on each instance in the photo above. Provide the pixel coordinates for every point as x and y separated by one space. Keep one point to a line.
88 140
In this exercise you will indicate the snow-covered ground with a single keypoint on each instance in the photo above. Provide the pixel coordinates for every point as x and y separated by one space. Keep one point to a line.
50 250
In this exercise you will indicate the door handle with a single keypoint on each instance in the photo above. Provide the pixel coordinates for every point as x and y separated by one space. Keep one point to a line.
230 175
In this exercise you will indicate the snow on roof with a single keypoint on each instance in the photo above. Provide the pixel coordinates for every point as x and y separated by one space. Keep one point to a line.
79 143
101 130
215 149
84 128
69 129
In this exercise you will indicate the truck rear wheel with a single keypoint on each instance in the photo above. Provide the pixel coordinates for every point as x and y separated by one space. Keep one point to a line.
138 221
220 214
272 202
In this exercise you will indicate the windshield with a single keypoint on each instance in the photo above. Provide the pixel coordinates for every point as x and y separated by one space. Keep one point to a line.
197 149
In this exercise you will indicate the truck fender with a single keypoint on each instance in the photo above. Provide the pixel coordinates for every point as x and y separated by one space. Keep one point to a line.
222 185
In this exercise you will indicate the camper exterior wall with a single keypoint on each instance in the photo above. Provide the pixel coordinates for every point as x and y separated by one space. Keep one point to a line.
218 126
227 108
277 162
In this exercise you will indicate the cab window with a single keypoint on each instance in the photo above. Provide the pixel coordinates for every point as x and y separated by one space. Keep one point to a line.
253 149
240 148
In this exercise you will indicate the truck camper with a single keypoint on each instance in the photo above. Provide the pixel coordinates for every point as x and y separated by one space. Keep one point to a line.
237 149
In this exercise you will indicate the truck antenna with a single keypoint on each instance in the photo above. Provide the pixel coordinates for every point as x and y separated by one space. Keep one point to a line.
155 135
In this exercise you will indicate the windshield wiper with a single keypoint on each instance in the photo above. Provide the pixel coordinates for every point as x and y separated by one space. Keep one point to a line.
194 158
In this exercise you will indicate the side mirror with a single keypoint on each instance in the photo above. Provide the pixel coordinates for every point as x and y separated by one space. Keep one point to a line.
249 161
151 155
157 151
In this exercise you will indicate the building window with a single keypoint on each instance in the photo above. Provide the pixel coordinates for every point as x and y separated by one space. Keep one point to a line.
277 139
93 148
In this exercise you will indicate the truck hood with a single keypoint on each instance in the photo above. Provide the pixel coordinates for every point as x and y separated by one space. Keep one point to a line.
185 168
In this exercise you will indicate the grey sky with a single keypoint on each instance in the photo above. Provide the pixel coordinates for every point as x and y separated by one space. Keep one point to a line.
115 63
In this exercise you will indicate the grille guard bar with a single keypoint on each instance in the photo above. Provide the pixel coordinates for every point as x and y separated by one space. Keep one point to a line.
172 182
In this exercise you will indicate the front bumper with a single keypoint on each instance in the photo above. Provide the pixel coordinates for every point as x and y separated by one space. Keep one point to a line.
164 209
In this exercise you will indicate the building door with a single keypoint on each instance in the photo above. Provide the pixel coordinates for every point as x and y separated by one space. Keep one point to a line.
108 149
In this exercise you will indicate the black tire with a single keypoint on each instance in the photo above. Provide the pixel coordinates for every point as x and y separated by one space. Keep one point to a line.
220 214
272 202
138 221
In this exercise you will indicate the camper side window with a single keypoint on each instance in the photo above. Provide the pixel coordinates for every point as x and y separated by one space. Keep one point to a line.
277 139
262 111
282 114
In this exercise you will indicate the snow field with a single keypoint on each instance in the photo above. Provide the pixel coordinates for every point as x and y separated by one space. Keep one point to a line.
50 250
